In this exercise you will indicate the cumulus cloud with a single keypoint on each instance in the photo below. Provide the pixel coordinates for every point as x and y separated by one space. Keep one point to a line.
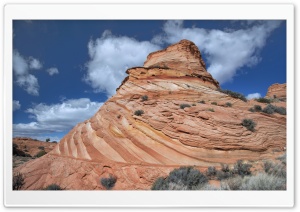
16 105
23 78
52 71
56 117
226 51
34 63
253 96
110 56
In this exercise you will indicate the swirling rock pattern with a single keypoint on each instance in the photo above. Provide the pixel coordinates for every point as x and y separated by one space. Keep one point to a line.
138 149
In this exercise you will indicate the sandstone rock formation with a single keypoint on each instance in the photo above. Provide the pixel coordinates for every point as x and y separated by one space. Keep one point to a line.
137 149
31 147
277 90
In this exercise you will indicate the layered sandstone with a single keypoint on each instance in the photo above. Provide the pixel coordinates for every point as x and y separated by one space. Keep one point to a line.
277 90
138 149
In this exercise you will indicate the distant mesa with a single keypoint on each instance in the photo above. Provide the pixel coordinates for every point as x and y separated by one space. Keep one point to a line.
166 114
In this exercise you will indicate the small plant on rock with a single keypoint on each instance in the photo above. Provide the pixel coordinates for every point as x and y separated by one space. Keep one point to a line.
18 181
249 124
109 182
53 187
214 103
144 98
138 112
211 110
228 104
182 106
202 102
264 100
40 153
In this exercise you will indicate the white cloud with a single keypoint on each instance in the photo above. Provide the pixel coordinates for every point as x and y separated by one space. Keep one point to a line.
16 105
52 71
253 96
56 117
23 78
110 57
226 51
34 63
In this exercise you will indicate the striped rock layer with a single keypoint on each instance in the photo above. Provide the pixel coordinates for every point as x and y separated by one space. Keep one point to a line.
138 149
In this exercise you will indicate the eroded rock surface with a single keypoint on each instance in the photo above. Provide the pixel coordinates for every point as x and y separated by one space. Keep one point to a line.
138 149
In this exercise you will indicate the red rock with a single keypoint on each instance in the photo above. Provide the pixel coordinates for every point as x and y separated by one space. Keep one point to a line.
138 149
277 90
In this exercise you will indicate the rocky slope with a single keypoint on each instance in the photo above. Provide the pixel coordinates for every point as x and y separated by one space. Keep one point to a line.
137 149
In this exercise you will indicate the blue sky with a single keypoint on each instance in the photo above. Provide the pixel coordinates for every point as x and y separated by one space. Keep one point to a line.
63 71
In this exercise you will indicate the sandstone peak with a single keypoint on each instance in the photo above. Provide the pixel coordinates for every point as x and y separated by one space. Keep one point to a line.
137 148
277 90
184 57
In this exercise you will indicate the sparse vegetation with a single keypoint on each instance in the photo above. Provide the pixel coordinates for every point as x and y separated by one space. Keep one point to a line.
193 104
40 153
236 177
48 139
249 124
270 109
53 187
41 148
144 98
138 112
257 108
263 100
251 109
211 109
241 168
18 181
214 103
109 182
202 102
228 104
182 106
211 171
263 181
234 94
183 178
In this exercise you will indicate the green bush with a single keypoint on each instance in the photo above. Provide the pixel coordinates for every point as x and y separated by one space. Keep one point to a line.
257 108
193 104
138 112
269 109
53 187
234 94
251 109
211 171
214 103
280 110
181 179
228 104
241 168
109 182
48 139
249 124
18 181
182 106
159 184
263 181
211 109
277 169
263 100
202 102
40 153
144 98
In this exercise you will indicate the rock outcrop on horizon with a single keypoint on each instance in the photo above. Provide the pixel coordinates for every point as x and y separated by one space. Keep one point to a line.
138 147
277 90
